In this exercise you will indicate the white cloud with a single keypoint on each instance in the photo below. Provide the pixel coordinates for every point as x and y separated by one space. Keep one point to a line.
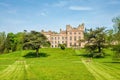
80 8
60 4
12 11
43 14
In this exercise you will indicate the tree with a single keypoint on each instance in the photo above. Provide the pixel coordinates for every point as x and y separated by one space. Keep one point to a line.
19 37
95 41
62 46
116 25
110 37
34 40
47 44
2 41
116 47
10 43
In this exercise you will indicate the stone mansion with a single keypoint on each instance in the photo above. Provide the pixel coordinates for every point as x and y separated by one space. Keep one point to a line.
70 36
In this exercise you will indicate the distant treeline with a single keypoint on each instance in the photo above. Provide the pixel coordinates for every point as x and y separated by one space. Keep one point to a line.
11 42
14 42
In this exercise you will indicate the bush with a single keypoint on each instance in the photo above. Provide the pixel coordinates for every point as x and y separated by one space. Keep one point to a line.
62 46
116 50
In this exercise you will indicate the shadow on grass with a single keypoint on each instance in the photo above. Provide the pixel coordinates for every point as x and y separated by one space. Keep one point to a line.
95 55
84 55
34 55
116 62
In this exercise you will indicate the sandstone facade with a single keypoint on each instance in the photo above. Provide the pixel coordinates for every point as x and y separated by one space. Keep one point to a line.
70 36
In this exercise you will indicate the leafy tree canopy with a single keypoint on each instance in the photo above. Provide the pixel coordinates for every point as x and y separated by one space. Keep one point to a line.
116 25
34 40
95 41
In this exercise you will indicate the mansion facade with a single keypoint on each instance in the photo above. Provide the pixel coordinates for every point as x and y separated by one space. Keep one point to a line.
70 36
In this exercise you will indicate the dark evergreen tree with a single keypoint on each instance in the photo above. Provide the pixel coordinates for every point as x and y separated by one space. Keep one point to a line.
34 40
95 41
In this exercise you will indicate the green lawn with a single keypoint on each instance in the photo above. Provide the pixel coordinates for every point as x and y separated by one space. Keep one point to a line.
56 64
102 68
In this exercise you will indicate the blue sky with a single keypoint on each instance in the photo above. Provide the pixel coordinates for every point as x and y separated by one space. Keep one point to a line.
19 15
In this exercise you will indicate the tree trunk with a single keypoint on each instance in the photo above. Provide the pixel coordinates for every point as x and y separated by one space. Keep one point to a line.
99 49
37 52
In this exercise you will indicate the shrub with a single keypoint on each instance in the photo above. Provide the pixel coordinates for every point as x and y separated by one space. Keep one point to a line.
116 50
62 46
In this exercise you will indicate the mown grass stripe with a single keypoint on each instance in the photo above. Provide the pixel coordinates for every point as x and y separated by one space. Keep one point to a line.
112 71
13 75
99 72
102 72
7 71
14 72
94 73
10 74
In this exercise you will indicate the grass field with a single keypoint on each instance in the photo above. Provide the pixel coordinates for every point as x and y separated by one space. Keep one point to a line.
56 64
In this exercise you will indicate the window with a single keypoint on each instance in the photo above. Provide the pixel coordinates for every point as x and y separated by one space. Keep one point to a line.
74 38
62 41
79 44
74 44
55 42
62 38
55 45
52 46
79 37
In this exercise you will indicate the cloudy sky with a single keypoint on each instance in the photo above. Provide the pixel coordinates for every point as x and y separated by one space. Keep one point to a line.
19 15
